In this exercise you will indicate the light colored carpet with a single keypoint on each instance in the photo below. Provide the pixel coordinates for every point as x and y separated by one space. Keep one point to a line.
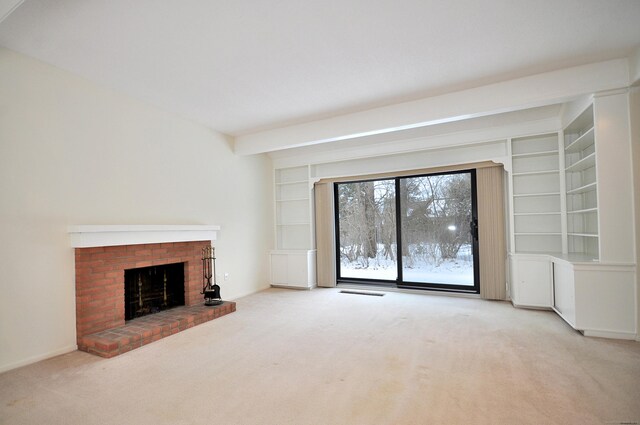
321 357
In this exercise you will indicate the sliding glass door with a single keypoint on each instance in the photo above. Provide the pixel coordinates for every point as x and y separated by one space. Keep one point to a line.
437 239
418 231
367 223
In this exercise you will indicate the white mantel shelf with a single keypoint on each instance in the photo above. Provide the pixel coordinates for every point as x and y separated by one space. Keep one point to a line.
88 236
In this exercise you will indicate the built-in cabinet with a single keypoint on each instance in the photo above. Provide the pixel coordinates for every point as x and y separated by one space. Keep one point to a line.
532 281
293 260
596 298
293 268
567 250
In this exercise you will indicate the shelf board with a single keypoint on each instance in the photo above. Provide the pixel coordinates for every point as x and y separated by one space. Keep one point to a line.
586 162
537 213
526 195
291 182
586 210
292 200
582 189
534 154
581 142
538 234
301 223
585 235
534 173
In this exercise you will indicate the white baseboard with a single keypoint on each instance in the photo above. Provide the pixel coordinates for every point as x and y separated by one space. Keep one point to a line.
40 357
531 307
303 288
245 293
610 334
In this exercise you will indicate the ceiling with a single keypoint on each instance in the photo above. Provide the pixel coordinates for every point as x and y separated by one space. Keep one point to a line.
246 66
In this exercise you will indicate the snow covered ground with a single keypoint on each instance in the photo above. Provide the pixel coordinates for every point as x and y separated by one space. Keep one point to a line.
457 271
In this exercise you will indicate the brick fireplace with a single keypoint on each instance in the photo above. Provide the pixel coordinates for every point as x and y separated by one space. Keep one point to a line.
100 279
103 253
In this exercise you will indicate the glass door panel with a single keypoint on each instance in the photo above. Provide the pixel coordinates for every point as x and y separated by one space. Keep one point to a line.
437 240
366 223
416 232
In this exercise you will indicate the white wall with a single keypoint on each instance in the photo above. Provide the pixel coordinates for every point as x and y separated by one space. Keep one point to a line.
75 153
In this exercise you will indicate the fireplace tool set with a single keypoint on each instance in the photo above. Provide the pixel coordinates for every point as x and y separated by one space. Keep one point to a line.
210 291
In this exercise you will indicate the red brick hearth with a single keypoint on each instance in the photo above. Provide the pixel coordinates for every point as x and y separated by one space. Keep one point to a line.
144 330
100 295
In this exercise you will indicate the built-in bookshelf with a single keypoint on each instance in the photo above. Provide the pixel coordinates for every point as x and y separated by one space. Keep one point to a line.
293 260
581 185
293 208
537 216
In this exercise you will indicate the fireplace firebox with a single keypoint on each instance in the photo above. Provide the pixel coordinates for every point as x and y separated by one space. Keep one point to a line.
153 289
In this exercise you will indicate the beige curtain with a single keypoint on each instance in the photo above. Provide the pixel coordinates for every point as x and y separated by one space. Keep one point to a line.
491 234
325 240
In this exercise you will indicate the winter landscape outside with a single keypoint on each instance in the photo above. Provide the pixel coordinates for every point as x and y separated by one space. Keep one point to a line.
435 215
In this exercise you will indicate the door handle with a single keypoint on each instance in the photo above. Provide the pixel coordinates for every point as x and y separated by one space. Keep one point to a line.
474 228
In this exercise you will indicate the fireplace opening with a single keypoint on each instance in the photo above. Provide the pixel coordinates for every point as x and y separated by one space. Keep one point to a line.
148 290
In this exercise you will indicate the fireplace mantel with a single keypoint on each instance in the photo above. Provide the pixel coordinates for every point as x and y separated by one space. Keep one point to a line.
88 236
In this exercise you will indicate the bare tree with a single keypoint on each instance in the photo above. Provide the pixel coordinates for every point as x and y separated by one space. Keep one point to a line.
435 213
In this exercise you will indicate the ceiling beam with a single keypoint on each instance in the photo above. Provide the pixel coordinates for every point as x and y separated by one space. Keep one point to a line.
513 95
474 135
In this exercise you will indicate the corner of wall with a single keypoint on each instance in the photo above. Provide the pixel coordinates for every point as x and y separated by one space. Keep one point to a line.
634 112
634 67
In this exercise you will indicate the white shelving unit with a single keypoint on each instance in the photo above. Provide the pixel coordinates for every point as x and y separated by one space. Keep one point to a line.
535 181
571 230
581 182
293 260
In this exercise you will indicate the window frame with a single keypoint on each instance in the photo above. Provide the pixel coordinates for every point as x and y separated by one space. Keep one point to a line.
399 281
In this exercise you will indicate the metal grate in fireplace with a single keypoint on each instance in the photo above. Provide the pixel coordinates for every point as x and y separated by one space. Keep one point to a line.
153 289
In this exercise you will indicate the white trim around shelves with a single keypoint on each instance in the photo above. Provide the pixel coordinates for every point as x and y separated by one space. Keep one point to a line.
534 173
534 154
584 235
537 213
291 182
292 200
586 210
524 195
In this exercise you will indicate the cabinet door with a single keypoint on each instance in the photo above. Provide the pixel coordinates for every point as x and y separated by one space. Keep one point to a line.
297 271
279 272
291 268
532 282
564 292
